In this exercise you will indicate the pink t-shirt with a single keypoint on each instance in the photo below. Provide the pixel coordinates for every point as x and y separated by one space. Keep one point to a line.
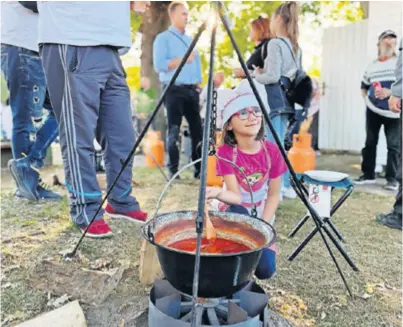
255 166
259 168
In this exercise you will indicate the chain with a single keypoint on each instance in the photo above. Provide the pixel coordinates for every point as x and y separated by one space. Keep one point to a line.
213 124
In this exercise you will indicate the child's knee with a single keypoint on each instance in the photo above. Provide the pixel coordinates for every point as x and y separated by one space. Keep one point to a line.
267 265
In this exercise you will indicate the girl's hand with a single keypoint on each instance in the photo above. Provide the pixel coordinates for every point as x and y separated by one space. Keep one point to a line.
238 72
212 192
258 70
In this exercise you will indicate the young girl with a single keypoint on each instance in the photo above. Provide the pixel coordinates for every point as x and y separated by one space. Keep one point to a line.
260 161
280 67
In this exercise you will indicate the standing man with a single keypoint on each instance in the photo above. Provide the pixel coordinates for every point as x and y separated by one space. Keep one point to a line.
79 45
183 98
394 219
22 69
375 88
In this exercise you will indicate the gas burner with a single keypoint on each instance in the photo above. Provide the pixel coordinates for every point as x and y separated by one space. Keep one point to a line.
170 308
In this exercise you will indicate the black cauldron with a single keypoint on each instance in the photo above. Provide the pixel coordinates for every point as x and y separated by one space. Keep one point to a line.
220 274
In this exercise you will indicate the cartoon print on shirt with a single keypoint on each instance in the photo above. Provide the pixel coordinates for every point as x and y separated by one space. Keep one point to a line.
253 178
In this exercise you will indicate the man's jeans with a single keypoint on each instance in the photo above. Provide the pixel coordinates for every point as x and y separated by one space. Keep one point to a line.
280 123
373 126
22 69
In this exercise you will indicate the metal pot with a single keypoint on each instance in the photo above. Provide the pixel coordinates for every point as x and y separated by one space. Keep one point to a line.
220 274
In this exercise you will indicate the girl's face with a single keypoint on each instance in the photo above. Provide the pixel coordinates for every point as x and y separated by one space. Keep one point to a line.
246 122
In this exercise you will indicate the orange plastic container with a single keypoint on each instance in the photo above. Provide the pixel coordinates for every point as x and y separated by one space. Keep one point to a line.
301 155
212 178
154 150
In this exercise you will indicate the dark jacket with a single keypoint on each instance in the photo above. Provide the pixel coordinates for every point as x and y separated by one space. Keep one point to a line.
258 55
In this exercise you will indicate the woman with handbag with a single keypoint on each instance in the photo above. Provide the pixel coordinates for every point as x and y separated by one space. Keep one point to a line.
260 35
281 66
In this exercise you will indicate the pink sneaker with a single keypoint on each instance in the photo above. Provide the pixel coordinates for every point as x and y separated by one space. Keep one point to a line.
98 229
137 216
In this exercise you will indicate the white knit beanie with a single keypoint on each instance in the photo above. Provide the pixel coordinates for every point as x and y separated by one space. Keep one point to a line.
233 101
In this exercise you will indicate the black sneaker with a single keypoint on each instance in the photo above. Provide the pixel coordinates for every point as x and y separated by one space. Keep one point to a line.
172 174
362 180
391 220
392 186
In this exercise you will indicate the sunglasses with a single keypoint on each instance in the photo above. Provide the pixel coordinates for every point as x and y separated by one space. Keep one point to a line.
244 113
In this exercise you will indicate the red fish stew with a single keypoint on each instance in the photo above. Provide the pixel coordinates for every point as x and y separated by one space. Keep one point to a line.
219 245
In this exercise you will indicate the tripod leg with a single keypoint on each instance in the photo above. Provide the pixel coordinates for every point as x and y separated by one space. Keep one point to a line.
299 225
298 184
340 248
158 166
303 244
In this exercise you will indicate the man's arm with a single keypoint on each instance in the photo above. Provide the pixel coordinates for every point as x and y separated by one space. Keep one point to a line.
397 85
31 5
161 63
365 84
395 101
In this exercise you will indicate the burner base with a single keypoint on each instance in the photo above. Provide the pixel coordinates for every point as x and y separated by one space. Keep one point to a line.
169 308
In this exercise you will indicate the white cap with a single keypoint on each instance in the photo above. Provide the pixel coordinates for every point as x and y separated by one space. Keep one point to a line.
232 101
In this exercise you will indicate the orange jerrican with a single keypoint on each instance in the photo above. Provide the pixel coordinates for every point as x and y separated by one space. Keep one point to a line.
154 150
301 155
212 178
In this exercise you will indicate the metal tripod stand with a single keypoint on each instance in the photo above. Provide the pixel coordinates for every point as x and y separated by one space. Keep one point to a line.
217 12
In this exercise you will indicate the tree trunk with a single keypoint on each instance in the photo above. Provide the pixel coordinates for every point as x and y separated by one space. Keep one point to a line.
155 21
365 8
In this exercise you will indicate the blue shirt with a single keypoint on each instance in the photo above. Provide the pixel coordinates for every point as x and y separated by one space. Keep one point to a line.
172 44
85 23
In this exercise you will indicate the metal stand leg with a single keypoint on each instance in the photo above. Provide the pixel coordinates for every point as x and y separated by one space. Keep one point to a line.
303 244
340 248
332 238
335 230
341 200
299 225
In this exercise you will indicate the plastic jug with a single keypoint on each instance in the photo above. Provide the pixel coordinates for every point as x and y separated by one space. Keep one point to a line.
154 150
301 154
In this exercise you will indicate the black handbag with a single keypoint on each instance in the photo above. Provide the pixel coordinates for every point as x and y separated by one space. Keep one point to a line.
301 88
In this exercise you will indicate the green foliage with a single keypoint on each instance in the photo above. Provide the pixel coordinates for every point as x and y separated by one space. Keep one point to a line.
321 14
135 23
241 15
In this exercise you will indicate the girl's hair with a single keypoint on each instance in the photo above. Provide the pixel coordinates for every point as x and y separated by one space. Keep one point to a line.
289 12
228 137
261 26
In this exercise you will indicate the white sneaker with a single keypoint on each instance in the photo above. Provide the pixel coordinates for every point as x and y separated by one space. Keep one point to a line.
289 193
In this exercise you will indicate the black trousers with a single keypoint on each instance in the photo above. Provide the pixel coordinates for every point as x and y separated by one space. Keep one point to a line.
397 207
373 126
183 100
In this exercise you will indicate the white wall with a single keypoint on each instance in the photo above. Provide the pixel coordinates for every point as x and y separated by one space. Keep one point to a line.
342 112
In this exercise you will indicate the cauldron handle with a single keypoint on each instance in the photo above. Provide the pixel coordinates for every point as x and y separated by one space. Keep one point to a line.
254 211
170 182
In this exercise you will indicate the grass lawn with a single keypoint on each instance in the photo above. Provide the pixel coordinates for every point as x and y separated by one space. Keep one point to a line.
308 291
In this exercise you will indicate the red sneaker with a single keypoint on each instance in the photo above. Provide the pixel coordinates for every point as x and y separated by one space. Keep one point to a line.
137 216
98 229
